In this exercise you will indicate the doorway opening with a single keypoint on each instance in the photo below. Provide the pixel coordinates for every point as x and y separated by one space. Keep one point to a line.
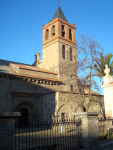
23 119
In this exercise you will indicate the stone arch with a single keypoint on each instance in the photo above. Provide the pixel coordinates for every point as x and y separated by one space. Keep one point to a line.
63 109
79 109
29 106
94 106
47 34
53 30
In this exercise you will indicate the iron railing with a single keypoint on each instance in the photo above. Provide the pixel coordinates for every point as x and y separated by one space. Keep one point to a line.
48 135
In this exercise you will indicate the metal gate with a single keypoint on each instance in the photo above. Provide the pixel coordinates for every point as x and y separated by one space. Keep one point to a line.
48 135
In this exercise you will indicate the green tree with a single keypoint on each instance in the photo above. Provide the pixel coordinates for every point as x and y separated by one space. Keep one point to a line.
99 65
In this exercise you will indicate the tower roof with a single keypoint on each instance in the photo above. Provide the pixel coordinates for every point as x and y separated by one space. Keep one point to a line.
59 14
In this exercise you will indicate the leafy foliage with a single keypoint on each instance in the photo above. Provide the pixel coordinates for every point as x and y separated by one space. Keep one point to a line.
99 65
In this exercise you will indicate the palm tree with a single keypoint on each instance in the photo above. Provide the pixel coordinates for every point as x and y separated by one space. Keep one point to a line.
99 66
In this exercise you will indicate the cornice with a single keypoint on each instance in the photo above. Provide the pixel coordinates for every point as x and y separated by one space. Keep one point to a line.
28 94
38 80
58 39
58 19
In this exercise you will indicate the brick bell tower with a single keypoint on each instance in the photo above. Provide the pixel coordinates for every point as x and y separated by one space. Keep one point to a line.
59 52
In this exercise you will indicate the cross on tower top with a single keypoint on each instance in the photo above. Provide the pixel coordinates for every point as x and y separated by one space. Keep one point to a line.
58 2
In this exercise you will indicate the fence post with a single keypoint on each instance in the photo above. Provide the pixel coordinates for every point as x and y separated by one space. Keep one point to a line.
89 127
7 126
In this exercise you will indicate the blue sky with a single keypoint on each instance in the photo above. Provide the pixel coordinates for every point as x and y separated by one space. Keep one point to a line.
21 24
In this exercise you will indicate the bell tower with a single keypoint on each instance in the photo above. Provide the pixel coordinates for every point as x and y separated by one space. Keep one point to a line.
59 52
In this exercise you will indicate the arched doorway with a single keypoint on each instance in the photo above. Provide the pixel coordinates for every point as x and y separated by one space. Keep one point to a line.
27 109
23 119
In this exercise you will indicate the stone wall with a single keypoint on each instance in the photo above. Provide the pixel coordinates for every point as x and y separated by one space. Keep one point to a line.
49 104
72 102
7 128
16 93
40 98
89 128
4 93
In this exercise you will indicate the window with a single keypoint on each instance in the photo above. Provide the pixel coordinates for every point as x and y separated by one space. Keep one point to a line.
63 31
47 34
53 30
62 116
71 56
71 87
70 34
63 51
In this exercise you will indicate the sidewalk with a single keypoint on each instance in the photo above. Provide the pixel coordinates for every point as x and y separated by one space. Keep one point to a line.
102 146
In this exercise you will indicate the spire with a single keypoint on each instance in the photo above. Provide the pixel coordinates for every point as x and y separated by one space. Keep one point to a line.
59 14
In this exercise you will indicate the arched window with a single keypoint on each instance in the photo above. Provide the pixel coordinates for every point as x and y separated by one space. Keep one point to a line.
71 55
47 34
70 34
53 30
63 51
62 30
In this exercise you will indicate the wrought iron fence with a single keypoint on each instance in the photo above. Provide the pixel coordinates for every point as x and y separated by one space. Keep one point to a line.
48 135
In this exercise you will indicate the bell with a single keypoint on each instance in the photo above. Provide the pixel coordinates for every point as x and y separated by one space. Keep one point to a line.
63 30
53 31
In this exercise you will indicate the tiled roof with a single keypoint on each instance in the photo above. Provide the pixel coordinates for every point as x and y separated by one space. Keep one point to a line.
34 68
5 68
36 77
59 14
24 66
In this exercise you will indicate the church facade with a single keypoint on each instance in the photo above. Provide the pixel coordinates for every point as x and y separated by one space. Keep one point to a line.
49 87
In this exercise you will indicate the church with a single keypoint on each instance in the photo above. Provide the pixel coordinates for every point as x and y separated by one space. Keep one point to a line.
47 89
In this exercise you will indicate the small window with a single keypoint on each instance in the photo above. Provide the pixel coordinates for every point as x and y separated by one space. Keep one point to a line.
70 34
71 56
63 51
47 34
62 116
71 87
53 30
63 31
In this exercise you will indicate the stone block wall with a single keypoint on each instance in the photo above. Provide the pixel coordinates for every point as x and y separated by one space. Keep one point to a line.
49 106
105 126
7 128
4 93
89 129
50 59
71 102
7 134
15 93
